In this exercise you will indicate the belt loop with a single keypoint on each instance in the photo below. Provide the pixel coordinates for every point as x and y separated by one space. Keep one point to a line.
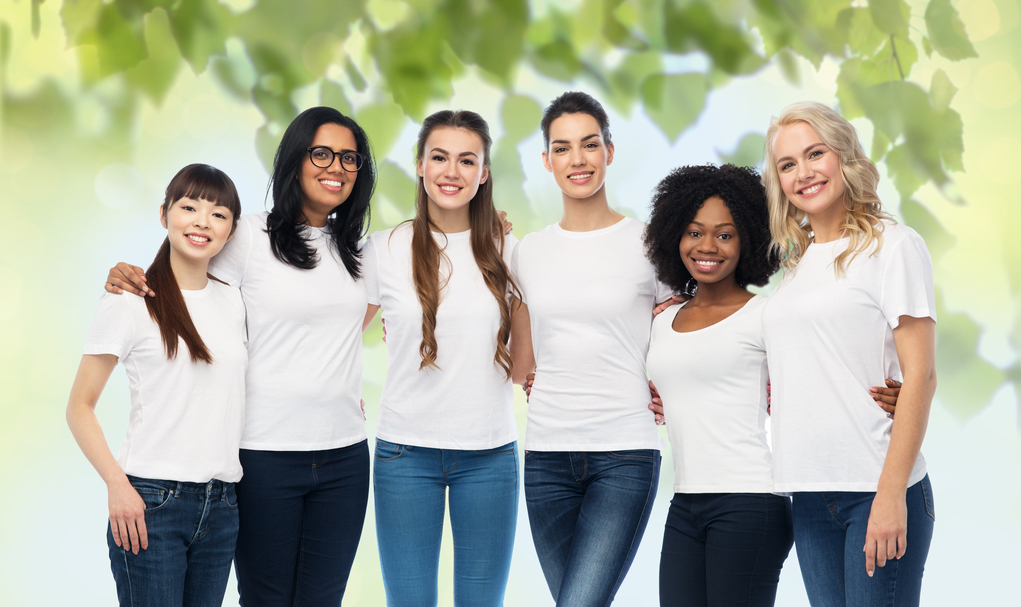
177 489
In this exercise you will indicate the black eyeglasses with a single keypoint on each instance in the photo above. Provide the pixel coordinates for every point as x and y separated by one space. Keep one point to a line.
323 157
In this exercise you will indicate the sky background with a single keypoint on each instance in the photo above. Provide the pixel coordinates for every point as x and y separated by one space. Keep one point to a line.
69 212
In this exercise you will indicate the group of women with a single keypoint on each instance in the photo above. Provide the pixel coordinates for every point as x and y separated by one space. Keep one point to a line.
568 313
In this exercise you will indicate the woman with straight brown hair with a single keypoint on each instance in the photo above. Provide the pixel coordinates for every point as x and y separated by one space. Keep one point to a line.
173 508
446 420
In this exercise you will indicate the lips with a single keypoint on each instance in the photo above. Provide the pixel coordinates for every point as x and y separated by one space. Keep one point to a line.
449 188
332 185
812 189
707 265
198 239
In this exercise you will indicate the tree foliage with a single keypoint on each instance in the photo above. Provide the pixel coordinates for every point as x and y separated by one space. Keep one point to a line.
414 51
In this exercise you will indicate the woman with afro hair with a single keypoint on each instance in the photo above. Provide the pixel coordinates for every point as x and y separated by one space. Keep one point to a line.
727 535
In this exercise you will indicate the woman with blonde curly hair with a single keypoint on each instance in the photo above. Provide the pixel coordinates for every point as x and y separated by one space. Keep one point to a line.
856 305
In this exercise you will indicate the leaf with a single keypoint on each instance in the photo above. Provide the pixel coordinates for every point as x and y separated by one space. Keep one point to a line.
946 31
409 59
937 239
156 74
695 26
898 55
941 91
37 21
356 78
497 37
267 138
674 101
234 72
556 60
788 62
331 94
966 382
520 116
625 81
275 106
890 16
616 32
5 47
396 186
863 37
903 170
749 152
119 44
926 46
880 144
382 123
201 28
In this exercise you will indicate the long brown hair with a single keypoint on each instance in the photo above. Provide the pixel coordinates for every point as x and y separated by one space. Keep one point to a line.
486 246
168 309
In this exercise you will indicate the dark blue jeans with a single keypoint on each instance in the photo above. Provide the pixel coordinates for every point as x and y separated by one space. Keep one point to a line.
829 532
588 511
410 491
192 528
301 519
724 549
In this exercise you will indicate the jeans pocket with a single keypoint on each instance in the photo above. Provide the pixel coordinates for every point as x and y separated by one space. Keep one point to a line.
155 495
387 451
510 447
645 455
231 497
926 487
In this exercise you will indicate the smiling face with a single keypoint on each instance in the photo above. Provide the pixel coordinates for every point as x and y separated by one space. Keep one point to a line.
809 173
452 167
577 155
326 189
711 246
197 229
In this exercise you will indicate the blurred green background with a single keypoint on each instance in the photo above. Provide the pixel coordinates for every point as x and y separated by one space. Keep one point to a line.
101 102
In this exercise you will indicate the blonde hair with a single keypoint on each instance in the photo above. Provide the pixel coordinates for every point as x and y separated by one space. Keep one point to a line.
863 211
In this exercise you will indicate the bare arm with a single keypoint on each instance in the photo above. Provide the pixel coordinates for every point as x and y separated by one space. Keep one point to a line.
522 357
127 278
886 537
127 520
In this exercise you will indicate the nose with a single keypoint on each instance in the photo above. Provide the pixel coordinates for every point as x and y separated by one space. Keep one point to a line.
577 157
805 171
452 170
707 245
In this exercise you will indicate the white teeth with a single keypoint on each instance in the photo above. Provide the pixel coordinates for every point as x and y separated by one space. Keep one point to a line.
450 188
577 177
812 190
708 264
332 184
196 238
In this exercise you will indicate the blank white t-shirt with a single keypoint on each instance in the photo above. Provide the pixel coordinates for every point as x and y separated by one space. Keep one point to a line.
186 418
590 298
713 385
304 342
828 340
468 402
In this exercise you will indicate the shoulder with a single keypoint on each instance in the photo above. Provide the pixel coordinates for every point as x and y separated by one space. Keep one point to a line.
899 239
254 220
383 240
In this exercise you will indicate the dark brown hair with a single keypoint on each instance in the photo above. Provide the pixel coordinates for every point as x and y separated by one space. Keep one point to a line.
487 246
168 309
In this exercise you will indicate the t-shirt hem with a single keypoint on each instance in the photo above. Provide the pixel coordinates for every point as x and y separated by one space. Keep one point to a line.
723 489
591 447
859 486
302 446
448 444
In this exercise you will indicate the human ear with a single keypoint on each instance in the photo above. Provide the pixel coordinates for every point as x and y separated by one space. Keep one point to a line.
609 154
485 175
545 162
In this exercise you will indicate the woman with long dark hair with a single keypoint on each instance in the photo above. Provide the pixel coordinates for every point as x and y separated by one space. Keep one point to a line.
304 448
446 421
173 508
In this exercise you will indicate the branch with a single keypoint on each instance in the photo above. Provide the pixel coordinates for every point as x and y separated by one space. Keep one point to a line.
896 58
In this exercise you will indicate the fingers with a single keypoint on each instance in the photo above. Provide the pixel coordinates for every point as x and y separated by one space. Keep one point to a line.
361 403
870 555
143 534
893 383
129 278
133 535
115 530
653 390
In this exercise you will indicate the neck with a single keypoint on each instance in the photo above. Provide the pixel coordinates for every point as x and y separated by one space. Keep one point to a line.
723 292
312 218
190 273
588 214
828 225
449 221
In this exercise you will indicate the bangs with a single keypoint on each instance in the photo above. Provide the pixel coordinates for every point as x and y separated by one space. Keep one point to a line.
201 181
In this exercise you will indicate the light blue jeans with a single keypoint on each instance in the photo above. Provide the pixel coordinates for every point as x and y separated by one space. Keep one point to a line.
829 534
410 486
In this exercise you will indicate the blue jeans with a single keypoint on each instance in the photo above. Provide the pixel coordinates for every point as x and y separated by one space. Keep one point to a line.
724 549
301 518
410 485
588 511
192 528
829 532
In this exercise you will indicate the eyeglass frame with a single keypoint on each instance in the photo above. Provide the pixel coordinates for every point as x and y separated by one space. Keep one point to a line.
311 149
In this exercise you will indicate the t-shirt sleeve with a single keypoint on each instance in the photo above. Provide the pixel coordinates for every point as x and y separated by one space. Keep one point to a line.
370 269
230 264
907 285
663 292
515 261
112 327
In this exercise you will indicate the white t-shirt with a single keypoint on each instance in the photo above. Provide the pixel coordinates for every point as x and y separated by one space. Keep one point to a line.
828 340
468 403
186 418
304 342
590 297
713 385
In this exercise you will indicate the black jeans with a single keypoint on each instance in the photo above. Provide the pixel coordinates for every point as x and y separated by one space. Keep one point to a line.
301 516
724 549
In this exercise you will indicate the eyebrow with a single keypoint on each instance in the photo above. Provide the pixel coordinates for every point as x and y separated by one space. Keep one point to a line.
463 154
719 225
340 151
583 139
779 160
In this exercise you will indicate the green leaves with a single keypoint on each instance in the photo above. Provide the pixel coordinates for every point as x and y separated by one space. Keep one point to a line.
890 16
674 101
520 116
946 31
966 381
750 151
696 27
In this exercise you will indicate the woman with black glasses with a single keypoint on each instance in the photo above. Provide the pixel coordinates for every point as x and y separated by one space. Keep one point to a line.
306 462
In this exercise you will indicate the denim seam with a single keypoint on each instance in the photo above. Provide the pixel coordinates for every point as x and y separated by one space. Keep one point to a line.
620 575
758 553
127 576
